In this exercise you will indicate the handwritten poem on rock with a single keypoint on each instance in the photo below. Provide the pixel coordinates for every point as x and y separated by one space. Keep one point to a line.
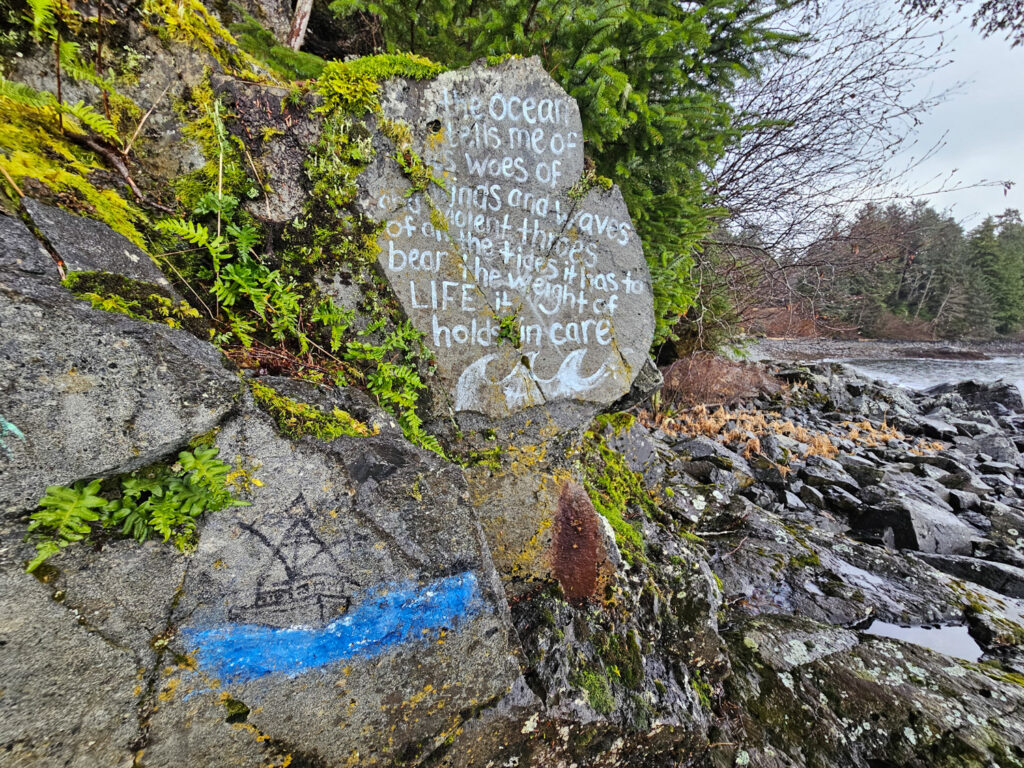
528 281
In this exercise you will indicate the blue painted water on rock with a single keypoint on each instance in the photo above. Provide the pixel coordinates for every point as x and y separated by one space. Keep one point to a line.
387 616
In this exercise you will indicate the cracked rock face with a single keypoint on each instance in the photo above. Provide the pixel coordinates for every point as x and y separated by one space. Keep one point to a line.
533 294
85 393
352 610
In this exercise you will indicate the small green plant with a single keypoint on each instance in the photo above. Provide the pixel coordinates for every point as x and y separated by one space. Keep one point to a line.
508 330
393 378
599 692
162 500
297 419
589 180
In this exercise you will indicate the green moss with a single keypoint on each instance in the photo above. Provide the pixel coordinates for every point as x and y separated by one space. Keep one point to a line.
621 655
993 669
494 61
419 173
599 692
588 181
140 301
353 87
618 422
702 688
261 44
614 489
189 22
203 116
691 537
809 557
297 419
805 560
34 150
238 712
488 457
341 154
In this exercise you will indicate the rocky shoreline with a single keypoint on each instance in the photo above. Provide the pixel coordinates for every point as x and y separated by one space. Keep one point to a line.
841 508
818 349
741 568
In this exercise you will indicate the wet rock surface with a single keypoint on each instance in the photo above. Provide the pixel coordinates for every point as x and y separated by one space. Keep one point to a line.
901 528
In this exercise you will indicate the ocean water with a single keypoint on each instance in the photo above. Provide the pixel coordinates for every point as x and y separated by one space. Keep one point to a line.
919 373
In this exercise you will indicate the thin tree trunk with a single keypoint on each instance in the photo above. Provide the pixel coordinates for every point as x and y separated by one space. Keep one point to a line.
924 295
99 56
60 90
300 20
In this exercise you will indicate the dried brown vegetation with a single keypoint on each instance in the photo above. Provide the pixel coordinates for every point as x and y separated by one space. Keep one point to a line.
742 429
704 377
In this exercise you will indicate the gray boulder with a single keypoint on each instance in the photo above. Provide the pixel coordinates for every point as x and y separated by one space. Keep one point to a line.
823 473
91 392
999 577
357 586
69 694
534 293
85 245
918 525
827 699
998 447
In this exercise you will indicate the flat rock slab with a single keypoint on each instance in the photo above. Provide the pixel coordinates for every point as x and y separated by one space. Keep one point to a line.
873 702
86 393
69 696
86 245
357 586
999 577
920 526
534 296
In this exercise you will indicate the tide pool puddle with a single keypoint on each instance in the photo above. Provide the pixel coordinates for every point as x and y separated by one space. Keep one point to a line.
952 640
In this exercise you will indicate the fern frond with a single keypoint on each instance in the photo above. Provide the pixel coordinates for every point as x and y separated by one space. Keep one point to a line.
65 514
197 234
78 68
41 15
25 95
91 119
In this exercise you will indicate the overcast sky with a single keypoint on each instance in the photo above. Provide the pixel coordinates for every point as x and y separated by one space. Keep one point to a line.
983 123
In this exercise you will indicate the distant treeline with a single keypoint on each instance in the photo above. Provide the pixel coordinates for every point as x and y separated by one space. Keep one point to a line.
910 271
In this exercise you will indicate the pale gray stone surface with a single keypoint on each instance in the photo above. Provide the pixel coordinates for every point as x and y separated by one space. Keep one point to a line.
500 237
68 694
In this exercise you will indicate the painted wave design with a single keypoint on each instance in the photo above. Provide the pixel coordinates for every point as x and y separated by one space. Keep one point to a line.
383 618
